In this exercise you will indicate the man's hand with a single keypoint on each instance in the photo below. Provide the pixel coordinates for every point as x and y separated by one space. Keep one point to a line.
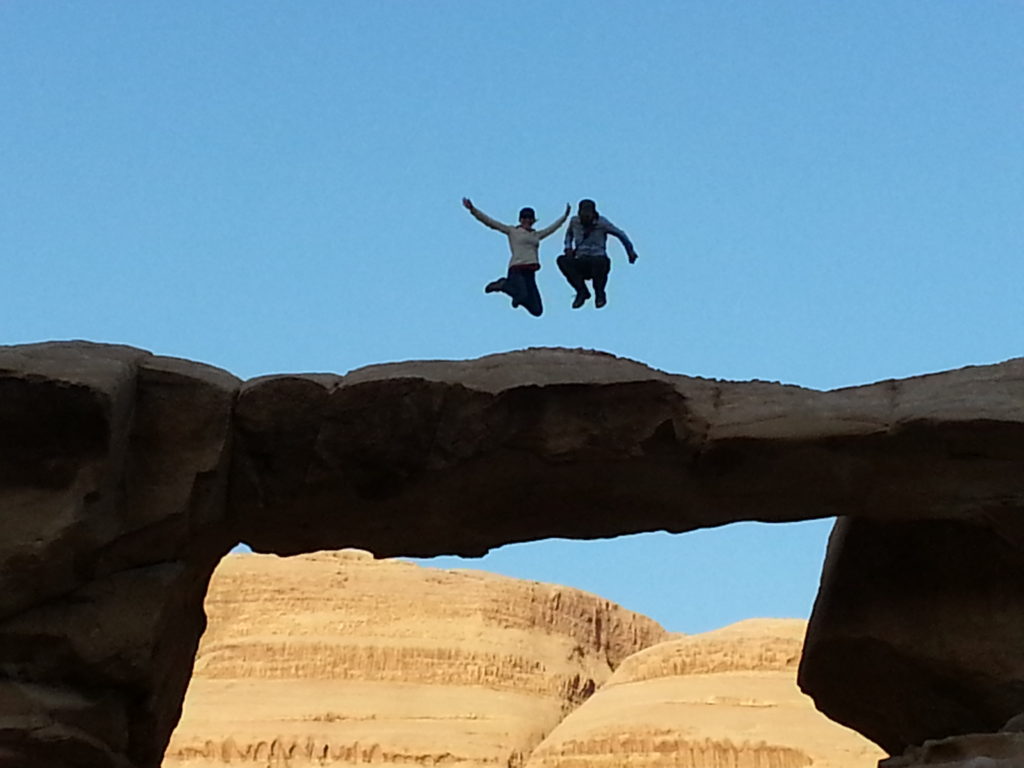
570 252
467 204
568 209
632 257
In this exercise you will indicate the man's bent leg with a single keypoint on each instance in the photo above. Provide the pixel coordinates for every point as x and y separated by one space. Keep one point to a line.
570 267
600 267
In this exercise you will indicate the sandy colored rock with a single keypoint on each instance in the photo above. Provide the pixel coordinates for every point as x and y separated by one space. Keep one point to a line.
722 698
335 654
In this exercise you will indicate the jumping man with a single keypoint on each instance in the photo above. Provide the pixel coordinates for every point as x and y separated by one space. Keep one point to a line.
588 260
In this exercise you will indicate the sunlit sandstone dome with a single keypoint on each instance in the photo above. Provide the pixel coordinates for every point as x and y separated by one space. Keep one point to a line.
335 658
721 698
386 661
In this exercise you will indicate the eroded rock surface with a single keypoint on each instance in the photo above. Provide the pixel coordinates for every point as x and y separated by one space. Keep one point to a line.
976 750
113 486
727 697
339 655
917 625
124 476
550 442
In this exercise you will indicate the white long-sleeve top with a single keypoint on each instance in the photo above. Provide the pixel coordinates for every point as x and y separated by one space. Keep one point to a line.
523 243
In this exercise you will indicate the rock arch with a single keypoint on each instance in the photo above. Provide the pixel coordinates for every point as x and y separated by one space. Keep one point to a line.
125 476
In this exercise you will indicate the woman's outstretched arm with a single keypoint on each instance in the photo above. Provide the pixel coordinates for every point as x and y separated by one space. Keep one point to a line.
483 218
554 227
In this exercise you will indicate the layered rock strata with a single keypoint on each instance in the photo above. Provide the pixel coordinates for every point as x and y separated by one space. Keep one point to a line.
723 698
124 476
335 658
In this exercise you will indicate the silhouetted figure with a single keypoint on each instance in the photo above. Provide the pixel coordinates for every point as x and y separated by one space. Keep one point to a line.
521 281
585 257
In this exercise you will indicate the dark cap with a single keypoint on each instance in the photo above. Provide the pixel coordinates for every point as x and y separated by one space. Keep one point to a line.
587 205
527 213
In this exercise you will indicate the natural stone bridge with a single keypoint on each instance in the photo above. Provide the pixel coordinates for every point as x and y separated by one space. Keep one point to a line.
125 477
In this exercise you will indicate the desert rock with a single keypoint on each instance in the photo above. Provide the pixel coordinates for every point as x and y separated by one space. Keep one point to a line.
374 459
113 492
976 750
335 654
915 630
124 476
722 698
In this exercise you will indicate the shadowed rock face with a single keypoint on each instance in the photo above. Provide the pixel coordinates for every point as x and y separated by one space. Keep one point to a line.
125 476
925 613
1004 749
113 487
459 457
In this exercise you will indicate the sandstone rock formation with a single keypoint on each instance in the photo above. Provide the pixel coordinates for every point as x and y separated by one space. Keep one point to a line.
915 627
113 492
374 459
124 476
1004 749
723 698
337 659
340 658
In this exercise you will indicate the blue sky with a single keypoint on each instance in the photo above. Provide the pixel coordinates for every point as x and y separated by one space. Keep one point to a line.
821 193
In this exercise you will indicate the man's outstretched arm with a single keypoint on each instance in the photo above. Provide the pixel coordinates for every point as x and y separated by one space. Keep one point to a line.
611 229
483 218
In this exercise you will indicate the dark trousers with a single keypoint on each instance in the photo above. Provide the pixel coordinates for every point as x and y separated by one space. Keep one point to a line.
578 269
521 285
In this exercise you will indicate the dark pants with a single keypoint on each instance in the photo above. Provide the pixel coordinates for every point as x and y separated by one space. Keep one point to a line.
521 285
578 269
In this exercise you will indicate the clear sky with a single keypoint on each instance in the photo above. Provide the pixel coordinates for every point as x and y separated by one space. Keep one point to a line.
822 193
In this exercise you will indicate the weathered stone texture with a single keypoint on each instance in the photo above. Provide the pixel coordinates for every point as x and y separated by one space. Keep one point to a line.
917 629
548 442
113 479
124 476
339 654
982 750
722 698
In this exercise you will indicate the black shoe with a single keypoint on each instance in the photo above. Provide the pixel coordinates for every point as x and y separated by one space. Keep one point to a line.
495 285
580 299
600 300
